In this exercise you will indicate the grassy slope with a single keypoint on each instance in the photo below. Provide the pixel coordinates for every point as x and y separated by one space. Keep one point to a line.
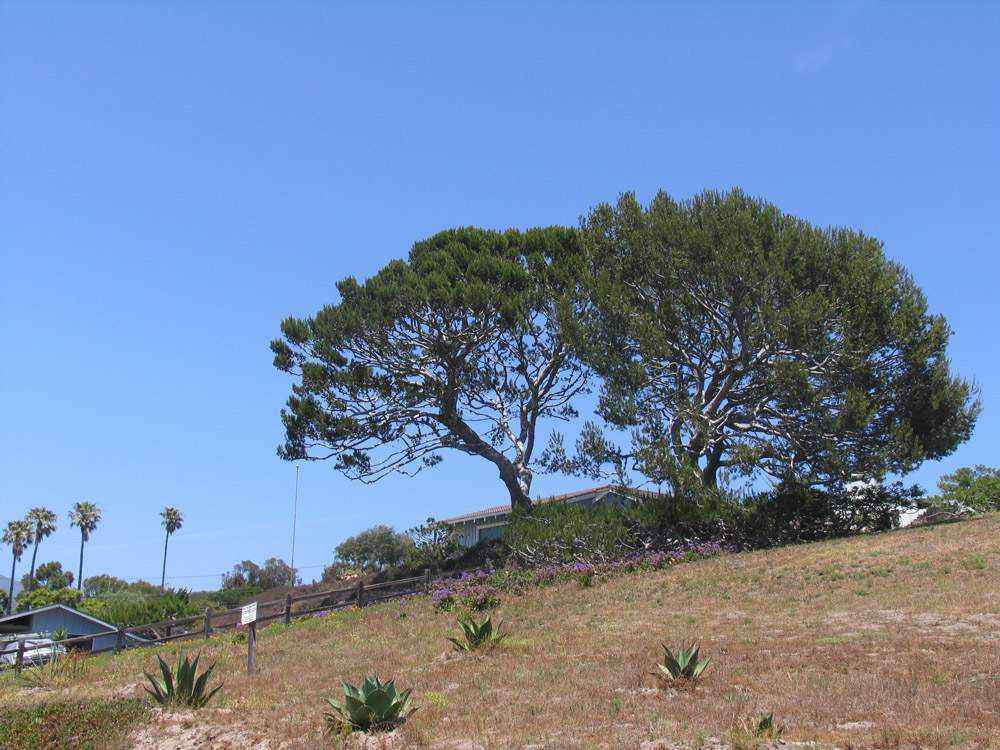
888 641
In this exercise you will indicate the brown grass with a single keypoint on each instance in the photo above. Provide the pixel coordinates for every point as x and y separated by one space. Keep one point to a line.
889 641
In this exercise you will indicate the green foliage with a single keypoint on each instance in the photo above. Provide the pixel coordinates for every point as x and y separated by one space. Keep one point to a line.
459 347
434 542
248 575
737 343
686 665
794 513
85 516
183 686
134 607
103 584
43 597
554 533
339 570
232 597
748 731
969 489
377 548
17 535
50 575
70 724
479 634
375 707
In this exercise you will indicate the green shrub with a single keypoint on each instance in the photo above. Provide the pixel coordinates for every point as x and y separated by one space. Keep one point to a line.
794 513
968 490
375 707
684 666
183 686
562 533
43 597
478 634
130 608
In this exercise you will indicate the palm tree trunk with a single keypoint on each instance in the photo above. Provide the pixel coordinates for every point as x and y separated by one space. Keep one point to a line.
34 554
10 594
79 579
163 575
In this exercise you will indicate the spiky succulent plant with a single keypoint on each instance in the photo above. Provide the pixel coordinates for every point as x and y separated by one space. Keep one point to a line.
685 665
183 685
375 706
478 634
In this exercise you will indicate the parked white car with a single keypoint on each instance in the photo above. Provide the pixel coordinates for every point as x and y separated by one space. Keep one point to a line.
37 650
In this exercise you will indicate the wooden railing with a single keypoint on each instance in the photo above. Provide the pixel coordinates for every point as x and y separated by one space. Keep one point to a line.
204 625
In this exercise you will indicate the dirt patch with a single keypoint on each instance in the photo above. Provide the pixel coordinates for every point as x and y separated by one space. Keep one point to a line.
178 731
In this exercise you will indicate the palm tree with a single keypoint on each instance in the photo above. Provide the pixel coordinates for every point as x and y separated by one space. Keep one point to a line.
172 520
85 516
17 536
43 523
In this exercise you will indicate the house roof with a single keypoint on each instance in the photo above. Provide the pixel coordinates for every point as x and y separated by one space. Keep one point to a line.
78 613
578 495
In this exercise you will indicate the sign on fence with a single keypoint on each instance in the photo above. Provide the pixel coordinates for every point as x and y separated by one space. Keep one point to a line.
248 613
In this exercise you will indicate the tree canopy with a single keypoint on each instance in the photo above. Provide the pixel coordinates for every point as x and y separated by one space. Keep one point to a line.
736 341
376 548
458 347
971 488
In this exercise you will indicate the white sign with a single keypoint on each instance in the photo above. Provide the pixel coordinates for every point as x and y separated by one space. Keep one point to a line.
248 614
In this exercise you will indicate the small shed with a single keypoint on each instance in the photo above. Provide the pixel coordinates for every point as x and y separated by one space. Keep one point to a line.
46 620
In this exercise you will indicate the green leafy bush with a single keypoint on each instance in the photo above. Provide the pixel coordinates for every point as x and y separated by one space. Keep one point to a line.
794 513
182 686
43 597
557 533
130 608
968 490
478 634
684 666
376 706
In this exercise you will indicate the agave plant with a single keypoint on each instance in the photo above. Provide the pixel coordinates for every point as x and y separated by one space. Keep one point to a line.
478 634
376 706
685 665
747 733
183 686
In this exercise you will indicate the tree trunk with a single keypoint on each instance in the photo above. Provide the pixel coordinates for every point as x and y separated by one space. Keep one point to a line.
79 580
163 575
34 554
10 593
518 497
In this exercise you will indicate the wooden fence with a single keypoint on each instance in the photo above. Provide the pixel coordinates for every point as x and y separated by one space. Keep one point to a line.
204 625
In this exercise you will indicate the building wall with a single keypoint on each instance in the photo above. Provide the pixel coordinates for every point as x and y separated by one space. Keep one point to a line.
53 619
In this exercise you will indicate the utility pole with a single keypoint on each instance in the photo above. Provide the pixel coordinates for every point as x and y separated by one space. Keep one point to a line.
295 519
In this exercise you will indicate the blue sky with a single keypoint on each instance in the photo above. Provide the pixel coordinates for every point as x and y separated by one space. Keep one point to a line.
177 178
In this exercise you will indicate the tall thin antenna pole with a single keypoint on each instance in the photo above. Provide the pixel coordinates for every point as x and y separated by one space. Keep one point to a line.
295 520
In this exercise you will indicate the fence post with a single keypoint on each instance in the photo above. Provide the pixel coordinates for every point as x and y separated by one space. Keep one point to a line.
208 622
20 655
427 581
251 644
288 609
119 640
361 592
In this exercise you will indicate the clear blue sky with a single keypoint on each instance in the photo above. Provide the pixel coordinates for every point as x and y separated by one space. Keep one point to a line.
177 178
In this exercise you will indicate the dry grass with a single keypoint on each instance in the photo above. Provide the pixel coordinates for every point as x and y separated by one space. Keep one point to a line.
891 641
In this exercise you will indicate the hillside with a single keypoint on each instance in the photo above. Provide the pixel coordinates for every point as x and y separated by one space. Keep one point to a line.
885 641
